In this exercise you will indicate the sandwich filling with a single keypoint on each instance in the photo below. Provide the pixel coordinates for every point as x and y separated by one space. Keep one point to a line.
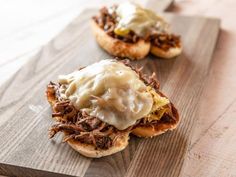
108 90
98 104
130 22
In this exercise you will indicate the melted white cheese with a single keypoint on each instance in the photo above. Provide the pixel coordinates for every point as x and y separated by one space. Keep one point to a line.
133 17
110 91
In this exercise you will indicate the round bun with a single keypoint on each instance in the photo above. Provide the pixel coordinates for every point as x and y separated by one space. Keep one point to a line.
158 128
90 151
172 52
119 48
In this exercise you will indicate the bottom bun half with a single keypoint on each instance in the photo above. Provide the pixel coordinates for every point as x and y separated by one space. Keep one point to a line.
171 53
152 130
90 151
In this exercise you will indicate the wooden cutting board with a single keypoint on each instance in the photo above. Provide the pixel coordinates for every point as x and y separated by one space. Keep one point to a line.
25 115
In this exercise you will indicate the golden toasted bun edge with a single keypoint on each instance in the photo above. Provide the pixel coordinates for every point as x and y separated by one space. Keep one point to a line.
171 53
90 151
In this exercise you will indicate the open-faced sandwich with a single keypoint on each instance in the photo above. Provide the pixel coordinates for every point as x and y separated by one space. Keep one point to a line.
98 106
130 31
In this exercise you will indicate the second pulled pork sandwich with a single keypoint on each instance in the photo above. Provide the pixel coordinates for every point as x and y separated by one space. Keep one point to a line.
130 31
98 106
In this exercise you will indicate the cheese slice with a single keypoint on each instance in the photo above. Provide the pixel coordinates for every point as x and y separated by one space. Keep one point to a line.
110 91
140 20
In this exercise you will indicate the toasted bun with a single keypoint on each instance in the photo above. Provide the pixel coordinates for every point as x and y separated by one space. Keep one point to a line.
150 131
119 48
157 129
172 52
90 151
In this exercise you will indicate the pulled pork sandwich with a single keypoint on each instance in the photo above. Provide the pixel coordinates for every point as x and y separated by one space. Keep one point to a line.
98 106
128 30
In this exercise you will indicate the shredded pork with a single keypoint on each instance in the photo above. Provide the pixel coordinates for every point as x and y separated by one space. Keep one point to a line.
165 41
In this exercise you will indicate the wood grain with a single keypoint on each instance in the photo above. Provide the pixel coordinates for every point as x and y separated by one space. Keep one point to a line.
25 114
213 142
